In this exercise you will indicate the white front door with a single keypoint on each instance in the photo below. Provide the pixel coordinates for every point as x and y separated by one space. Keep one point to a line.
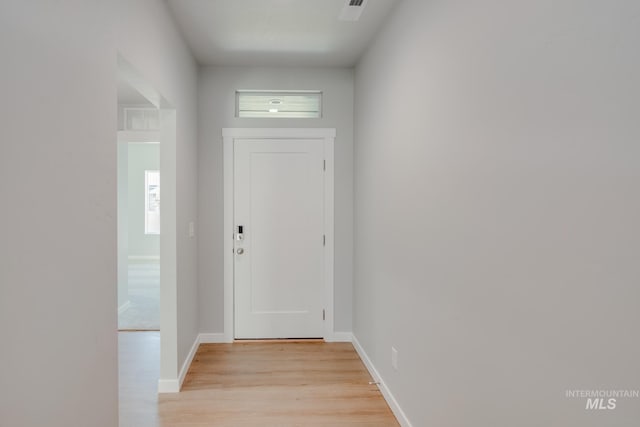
279 255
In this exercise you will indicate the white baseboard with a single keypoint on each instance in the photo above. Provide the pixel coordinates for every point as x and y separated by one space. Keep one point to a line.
174 386
168 386
144 258
212 338
340 337
124 307
386 393
187 362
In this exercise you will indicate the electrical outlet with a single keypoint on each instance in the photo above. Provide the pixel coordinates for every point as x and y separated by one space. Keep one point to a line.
192 229
394 358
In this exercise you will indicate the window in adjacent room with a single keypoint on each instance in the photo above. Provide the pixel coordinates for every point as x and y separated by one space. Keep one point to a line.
151 202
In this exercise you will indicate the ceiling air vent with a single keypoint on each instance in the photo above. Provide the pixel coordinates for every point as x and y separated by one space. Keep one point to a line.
352 10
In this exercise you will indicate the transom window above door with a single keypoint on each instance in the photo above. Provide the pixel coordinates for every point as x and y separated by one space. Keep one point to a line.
273 104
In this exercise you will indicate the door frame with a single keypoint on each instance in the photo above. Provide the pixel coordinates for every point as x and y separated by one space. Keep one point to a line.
229 135
169 381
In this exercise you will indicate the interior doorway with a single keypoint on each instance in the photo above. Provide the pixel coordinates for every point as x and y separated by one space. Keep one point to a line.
139 225
138 211
147 128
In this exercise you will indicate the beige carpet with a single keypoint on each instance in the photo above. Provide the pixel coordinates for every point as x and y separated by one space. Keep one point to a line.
143 313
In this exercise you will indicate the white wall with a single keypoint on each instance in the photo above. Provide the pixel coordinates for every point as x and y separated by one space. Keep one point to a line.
123 224
58 190
217 86
497 205
148 39
142 157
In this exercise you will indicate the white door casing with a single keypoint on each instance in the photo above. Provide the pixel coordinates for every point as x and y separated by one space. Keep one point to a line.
286 289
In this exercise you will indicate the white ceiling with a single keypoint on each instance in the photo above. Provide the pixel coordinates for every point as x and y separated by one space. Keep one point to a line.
277 32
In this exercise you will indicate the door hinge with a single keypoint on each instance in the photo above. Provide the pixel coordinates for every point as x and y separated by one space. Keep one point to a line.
324 240
324 165
323 314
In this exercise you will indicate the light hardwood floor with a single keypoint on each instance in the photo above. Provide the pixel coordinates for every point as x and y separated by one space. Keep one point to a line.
265 384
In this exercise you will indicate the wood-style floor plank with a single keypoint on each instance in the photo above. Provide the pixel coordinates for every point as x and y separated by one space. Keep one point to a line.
277 384
274 384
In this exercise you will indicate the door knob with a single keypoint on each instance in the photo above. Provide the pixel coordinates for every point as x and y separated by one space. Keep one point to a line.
240 251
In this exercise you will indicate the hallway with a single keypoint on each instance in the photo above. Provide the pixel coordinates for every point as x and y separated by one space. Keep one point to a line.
477 215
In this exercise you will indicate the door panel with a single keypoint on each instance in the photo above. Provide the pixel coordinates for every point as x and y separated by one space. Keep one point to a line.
279 202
